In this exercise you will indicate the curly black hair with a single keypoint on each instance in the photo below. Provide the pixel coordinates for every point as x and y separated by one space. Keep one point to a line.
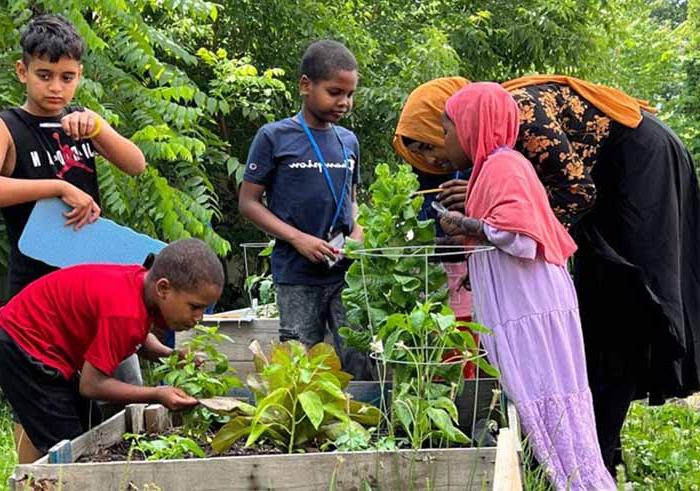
324 58
51 36
187 264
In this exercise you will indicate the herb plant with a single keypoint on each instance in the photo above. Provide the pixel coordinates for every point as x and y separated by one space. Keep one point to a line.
300 400
164 447
380 286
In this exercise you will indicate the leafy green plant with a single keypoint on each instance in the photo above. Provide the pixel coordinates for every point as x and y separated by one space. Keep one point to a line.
300 401
380 285
661 447
396 296
200 378
164 447
425 382
351 438
214 377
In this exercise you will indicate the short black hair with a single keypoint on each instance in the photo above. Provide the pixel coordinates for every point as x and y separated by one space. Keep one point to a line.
51 36
324 58
187 264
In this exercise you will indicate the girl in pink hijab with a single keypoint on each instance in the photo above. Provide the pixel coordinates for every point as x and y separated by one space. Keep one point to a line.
522 289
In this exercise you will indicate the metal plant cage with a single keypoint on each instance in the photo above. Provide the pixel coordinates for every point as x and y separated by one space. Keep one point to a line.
421 271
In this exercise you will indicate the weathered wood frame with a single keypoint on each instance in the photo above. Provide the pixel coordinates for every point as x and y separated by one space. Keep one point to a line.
439 469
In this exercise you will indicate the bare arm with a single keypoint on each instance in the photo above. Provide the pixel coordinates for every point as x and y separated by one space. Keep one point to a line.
111 145
250 205
152 349
456 223
96 385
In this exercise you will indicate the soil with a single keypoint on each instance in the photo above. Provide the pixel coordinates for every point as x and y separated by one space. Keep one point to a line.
120 451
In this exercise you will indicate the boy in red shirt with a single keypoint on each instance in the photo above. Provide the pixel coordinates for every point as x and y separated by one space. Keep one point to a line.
62 337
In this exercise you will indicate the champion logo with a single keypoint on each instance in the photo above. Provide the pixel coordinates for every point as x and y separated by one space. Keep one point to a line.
310 164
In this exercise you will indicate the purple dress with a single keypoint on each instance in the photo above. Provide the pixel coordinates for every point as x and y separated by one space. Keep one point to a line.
531 307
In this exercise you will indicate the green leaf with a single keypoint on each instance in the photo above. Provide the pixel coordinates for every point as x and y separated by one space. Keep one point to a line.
442 421
313 407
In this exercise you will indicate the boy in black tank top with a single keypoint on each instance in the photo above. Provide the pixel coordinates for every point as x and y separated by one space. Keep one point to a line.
47 149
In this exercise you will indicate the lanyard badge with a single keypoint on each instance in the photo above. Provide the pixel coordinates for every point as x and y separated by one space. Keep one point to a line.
339 201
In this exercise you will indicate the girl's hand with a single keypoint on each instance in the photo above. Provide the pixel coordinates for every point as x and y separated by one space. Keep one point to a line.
452 223
453 194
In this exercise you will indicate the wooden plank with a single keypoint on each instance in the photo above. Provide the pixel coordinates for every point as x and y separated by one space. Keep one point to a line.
514 424
134 414
156 418
61 453
446 469
506 476
264 330
104 435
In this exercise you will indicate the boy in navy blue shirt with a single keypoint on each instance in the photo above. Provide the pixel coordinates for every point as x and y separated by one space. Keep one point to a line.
308 169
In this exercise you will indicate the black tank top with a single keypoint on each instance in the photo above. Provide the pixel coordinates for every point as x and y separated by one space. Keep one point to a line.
43 152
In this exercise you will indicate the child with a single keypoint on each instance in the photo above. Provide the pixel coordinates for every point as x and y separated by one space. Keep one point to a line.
522 290
308 169
47 149
62 337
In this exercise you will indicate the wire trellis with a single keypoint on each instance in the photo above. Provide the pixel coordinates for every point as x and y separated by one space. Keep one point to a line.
427 358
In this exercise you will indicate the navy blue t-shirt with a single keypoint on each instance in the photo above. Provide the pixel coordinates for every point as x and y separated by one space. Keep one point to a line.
281 159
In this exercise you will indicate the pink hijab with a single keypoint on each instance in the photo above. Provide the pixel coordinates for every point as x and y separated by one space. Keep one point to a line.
504 190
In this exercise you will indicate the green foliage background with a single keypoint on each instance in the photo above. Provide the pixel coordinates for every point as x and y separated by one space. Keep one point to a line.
190 81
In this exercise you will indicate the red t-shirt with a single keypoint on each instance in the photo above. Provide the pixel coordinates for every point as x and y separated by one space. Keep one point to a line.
92 312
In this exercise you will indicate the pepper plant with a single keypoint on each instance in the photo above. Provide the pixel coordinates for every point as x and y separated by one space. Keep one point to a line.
396 301
300 400
200 378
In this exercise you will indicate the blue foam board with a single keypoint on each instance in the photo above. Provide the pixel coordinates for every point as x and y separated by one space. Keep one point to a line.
46 238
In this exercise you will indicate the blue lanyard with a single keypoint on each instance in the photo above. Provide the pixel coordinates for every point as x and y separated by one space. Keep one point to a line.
326 172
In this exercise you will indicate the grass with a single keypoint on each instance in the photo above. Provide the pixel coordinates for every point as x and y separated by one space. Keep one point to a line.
661 447
661 450
8 458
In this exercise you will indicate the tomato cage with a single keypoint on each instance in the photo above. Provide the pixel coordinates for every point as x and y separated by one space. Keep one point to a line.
399 300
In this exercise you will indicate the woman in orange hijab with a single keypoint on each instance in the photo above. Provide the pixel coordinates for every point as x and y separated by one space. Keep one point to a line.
625 187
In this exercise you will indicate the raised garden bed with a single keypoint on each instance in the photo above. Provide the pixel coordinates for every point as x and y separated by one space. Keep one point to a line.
454 468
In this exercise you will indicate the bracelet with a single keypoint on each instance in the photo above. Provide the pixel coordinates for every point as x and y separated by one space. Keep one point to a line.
97 130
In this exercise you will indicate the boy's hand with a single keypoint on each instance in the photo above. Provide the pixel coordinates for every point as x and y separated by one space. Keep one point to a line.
174 398
453 194
80 124
85 210
313 248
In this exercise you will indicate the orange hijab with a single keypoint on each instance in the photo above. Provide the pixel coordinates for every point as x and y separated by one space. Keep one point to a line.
504 190
420 117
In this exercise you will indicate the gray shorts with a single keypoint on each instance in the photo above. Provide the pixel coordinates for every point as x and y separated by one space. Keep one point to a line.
308 312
